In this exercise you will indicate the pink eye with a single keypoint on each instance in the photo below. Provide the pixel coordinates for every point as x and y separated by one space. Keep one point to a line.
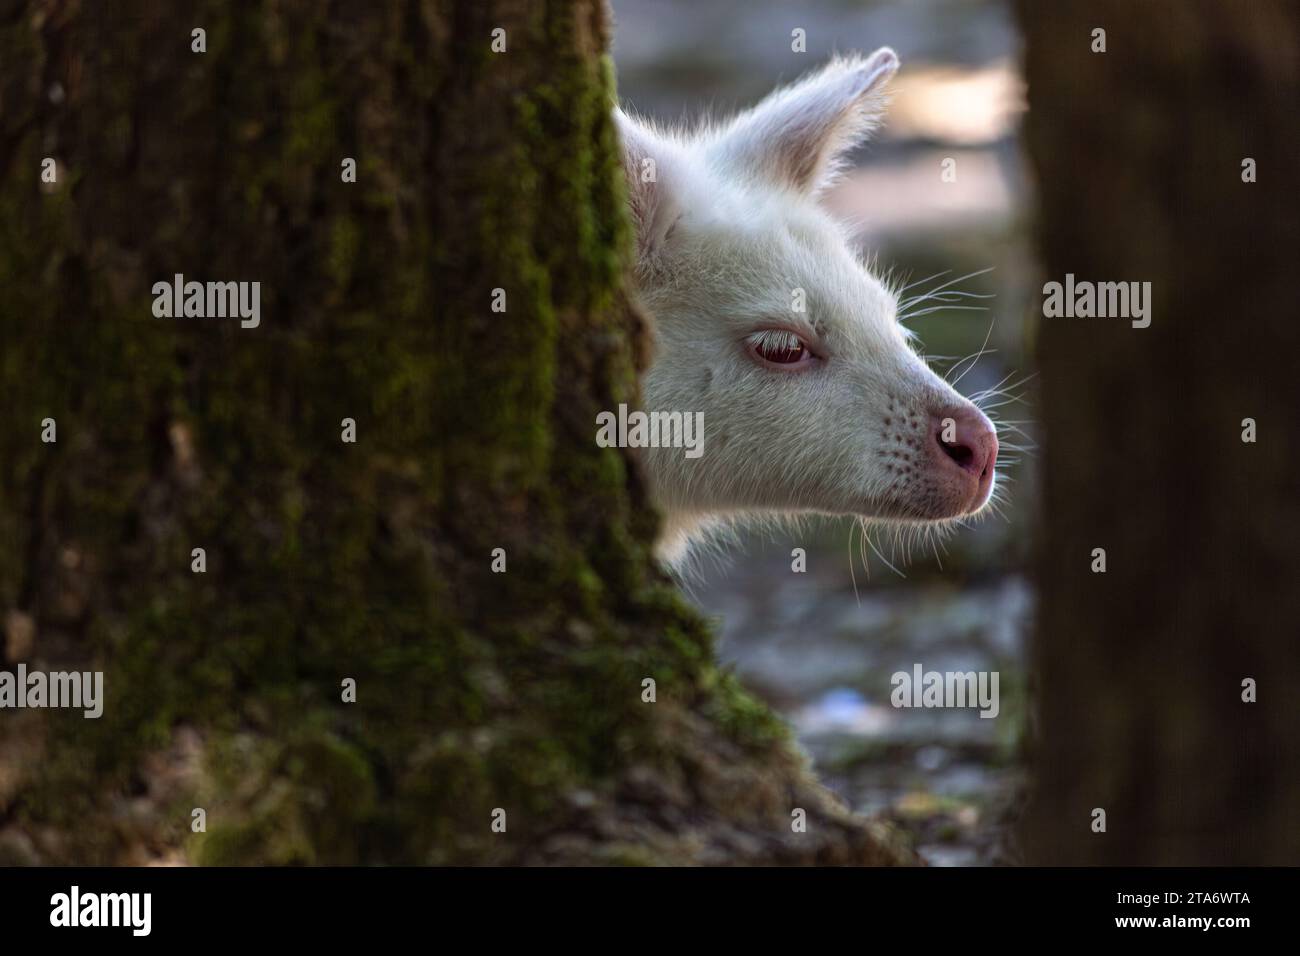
778 347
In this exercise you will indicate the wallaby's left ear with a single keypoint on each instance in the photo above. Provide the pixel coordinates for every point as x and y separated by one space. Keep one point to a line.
798 136
649 163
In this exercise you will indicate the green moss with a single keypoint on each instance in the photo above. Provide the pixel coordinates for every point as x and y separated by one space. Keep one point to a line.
345 244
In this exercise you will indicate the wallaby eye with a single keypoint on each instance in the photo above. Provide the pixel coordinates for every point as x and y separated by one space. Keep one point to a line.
779 347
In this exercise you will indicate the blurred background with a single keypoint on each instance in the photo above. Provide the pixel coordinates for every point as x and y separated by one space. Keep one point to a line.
820 646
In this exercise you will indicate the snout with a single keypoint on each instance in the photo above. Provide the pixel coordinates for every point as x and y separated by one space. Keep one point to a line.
963 450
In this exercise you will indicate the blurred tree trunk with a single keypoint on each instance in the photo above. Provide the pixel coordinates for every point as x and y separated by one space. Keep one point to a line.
1138 153
476 691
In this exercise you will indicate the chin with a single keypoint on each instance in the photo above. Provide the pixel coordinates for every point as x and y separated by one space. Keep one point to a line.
927 510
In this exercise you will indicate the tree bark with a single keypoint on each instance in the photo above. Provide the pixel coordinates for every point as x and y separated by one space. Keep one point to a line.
476 691
1139 670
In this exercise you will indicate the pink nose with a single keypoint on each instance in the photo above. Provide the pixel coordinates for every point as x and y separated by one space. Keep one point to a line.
967 442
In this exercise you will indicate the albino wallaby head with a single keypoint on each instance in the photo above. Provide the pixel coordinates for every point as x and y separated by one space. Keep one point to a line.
766 321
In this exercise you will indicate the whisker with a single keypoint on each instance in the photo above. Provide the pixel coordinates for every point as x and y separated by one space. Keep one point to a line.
978 355
883 558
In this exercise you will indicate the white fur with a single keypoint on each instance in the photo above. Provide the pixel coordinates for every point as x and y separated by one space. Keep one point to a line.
728 230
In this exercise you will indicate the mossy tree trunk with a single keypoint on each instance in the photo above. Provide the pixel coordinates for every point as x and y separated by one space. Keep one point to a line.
522 691
1139 157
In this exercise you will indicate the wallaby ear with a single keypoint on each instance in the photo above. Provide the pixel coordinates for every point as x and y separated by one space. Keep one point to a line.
798 136
653 204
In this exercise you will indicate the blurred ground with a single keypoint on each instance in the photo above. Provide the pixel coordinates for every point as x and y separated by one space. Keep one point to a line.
807 643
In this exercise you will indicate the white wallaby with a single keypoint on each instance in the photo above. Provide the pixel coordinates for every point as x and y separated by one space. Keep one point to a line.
765 321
